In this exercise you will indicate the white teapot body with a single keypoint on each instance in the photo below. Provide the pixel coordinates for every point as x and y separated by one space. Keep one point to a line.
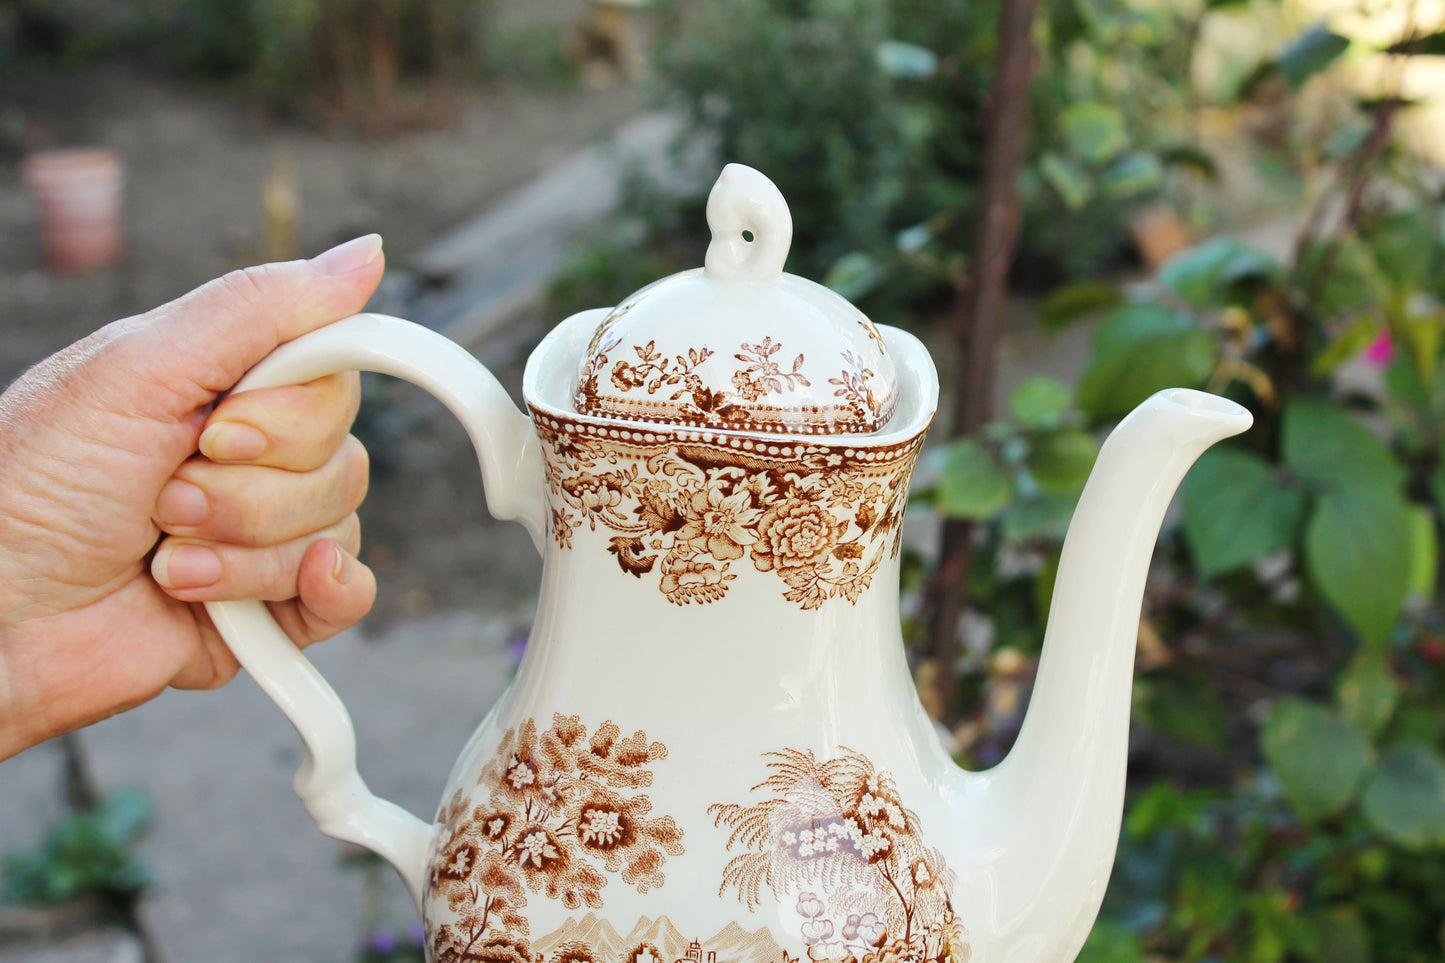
713 751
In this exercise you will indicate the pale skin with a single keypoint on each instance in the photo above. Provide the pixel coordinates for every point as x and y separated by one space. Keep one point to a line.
132 490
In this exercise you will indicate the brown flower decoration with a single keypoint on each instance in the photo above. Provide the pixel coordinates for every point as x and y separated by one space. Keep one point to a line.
458 862
626 377
537 848
686 580
563 811
718 523
629 555
592 493
795 534
602 827
656 512
495 825
821 519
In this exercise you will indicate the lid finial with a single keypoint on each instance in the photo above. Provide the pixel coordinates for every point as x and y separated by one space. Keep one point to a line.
751 227
740 345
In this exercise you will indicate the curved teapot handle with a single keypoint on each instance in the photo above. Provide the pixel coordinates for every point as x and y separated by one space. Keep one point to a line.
328 782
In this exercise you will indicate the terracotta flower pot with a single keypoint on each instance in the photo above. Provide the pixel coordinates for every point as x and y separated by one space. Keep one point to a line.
78 193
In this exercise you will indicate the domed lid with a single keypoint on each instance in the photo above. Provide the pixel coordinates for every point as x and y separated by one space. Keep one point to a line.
738 344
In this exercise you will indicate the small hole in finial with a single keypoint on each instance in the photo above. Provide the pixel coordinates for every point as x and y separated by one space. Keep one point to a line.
748 236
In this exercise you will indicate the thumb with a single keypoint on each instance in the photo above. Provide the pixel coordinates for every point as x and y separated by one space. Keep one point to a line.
206 340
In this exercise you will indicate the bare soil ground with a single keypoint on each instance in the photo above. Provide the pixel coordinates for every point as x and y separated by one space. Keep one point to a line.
196 159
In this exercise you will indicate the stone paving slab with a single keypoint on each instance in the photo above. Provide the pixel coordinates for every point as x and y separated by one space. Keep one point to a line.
242 874
32 796
104 946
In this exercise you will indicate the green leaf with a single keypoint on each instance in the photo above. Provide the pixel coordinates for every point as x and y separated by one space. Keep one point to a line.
1418 721
1309 53
1111 942
1318 758
1345 345
1077 300
1402 381
1140 349
1357 555
1406 247
1191 158
1237 509
1061 460
1367 692
906 61
855 275
1423 335
122 815
1094 131
1040 401
1344 274
1042 516
1066 177
1424 553
1341 937
1044 580
1429 45
1203 275
1405 801
1328 447
1132 174
973 484
1187 711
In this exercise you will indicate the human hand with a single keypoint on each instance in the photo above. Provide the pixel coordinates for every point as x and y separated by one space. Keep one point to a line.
99 467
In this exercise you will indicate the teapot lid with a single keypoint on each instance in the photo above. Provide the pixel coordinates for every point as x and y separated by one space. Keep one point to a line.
738 344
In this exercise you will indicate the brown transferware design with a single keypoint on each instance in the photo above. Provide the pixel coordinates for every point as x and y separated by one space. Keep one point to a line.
593 939
835 843
562 813
692 505
652 387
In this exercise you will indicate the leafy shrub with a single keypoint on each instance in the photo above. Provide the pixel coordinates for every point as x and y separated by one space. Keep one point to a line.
89 853
347 54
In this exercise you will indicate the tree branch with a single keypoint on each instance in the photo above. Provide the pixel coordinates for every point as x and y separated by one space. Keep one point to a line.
978 308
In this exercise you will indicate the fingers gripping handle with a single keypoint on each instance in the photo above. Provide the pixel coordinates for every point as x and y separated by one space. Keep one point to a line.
328 781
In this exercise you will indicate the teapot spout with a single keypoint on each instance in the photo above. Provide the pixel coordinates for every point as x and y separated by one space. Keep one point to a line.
1058 796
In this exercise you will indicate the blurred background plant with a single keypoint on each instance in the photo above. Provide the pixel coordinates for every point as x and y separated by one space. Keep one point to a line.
1287 781
88 854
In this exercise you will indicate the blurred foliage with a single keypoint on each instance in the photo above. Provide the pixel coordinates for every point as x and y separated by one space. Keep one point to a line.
347 60
1301 588
296 53
91 852
869 117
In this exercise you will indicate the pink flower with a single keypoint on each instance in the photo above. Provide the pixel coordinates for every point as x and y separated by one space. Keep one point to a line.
1380 352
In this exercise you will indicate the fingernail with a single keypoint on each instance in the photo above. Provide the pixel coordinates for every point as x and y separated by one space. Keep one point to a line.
186 566
353 255
232 441
340 570
181 503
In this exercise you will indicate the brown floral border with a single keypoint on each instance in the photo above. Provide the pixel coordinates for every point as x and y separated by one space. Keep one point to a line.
676 394
690 505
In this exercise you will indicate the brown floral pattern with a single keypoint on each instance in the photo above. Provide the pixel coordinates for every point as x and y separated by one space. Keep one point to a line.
834 843
559 813
694 509
649 386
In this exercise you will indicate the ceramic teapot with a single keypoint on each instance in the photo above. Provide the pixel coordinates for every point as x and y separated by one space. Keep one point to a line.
713 751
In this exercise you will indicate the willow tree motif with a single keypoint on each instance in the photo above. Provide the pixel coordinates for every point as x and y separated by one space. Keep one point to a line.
563 813
837 847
